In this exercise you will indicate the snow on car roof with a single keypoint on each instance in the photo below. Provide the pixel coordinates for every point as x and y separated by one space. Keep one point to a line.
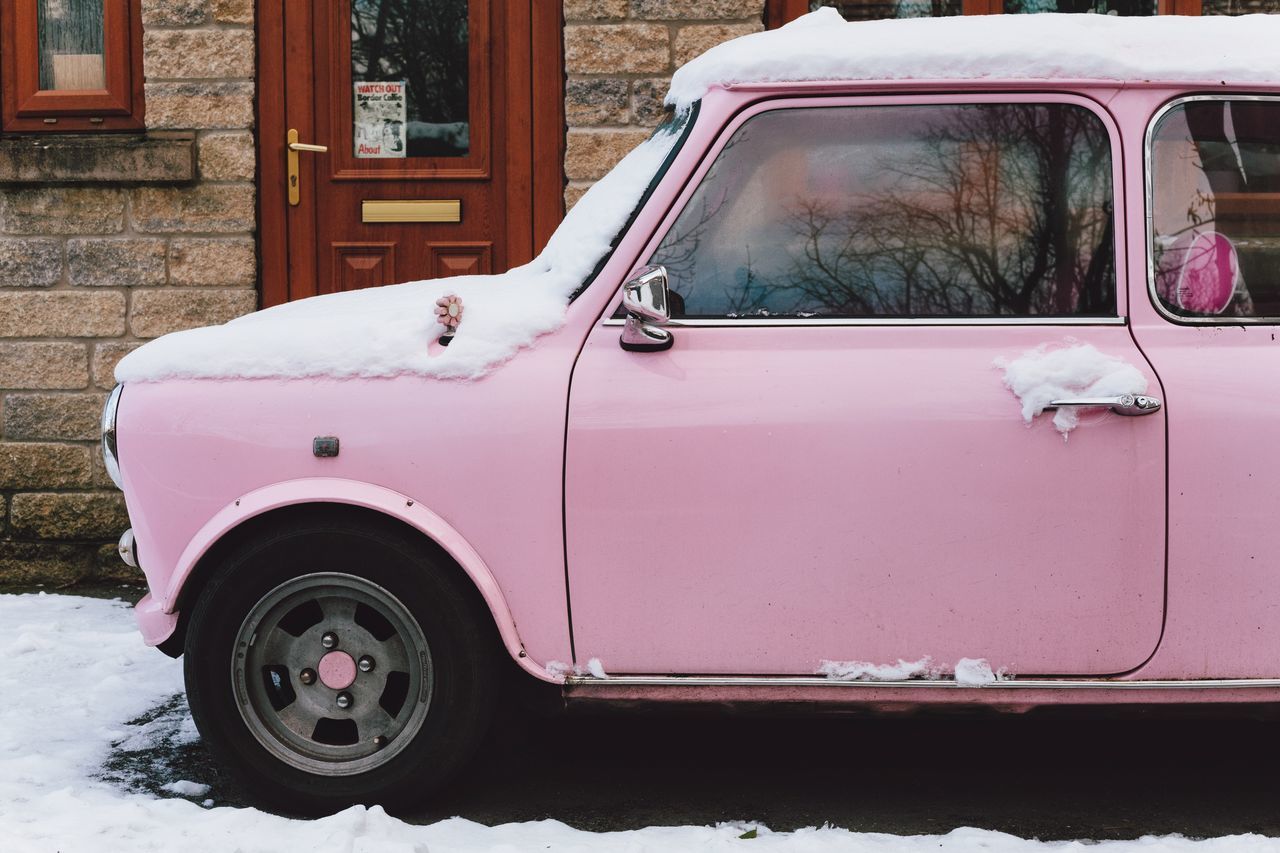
821 46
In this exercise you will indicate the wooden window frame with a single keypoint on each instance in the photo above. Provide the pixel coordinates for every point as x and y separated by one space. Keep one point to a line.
779 12
25 107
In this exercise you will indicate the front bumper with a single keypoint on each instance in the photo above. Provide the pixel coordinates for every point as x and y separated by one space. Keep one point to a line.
156 625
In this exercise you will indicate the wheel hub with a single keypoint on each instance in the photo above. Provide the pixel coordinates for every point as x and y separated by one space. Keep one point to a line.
337 670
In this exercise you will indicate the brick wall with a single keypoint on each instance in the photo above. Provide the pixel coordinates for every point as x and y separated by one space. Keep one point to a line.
105 242
619 57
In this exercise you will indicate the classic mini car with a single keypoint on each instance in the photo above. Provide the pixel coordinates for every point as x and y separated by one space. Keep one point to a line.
909 363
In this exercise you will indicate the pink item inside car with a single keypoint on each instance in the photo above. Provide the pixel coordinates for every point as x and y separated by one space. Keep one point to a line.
1199 273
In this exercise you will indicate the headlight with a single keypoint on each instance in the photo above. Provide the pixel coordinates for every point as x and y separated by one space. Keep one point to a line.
109 457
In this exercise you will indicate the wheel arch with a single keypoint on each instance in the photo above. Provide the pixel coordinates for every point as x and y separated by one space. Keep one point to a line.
244 516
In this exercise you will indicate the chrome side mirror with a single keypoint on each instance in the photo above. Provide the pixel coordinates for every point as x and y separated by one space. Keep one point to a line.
646 302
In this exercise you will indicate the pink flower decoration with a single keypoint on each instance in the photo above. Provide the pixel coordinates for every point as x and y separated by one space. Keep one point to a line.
449 311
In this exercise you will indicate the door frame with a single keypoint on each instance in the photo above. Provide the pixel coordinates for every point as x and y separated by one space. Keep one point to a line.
536 168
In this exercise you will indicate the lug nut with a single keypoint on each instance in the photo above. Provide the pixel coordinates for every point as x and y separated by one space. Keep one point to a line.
329 640
307 676
366 663
380 741
344 700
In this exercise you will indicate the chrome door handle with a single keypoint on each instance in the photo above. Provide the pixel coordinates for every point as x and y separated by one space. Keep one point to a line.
1125 404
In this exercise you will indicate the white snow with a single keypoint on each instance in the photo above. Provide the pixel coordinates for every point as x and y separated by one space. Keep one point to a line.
80 673
1058 371
821 46
593 668
388 331
184 788
971 672
975 672
856 670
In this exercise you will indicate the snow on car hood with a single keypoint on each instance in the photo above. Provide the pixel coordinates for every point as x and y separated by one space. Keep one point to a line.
821 46
386 331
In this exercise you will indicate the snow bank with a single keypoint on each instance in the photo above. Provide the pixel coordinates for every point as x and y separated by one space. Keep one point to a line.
821 46
386 331
1052 372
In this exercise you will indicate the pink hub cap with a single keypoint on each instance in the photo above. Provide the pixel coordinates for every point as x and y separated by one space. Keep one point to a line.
337 670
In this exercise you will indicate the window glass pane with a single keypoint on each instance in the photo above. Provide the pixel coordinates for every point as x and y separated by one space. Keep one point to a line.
1101 7
1239 7
867 10
409 69
901 211
1215 169
71 44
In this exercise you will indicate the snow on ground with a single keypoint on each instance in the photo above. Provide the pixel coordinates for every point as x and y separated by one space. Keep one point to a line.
821 46
388 331
1060 371
82 689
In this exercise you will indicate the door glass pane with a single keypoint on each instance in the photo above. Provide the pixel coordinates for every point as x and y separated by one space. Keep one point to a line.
867 10
1102 7
71 44
1215 210
409 70
901 211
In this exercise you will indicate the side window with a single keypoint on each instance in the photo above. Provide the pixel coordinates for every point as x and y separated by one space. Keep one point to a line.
971 210
1215 208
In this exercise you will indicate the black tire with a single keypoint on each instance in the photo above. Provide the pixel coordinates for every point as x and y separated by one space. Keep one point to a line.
365 555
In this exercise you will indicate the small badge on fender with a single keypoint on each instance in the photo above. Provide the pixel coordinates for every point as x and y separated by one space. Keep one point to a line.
324 446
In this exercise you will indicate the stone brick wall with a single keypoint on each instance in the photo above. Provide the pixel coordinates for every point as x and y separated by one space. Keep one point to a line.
619 57
105 242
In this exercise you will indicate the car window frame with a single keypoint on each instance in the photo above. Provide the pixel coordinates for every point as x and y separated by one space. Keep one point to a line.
1149 211
612 316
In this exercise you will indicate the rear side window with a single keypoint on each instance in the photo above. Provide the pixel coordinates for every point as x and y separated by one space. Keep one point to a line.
1214 172
973 210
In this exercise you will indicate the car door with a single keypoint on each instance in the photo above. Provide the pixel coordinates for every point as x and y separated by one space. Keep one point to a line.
1208 323
828 466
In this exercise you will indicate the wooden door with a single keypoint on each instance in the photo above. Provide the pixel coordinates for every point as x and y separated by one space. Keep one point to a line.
443 123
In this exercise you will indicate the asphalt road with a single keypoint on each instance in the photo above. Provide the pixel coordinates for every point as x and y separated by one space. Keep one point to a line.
1082 773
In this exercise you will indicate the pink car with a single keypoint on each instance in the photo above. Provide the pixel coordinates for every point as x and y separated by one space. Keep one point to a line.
904 366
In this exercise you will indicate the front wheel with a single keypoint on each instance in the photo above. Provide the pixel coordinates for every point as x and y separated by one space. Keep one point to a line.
334 662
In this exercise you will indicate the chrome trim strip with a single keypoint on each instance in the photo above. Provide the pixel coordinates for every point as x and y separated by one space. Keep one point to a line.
1015 684
1148 202
747 322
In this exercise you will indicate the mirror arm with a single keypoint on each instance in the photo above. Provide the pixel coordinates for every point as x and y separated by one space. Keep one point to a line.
639 336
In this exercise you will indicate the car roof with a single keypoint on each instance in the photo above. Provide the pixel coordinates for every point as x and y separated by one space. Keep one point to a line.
995 50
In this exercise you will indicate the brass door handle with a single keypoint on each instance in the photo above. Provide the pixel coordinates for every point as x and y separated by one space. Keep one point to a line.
294 146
